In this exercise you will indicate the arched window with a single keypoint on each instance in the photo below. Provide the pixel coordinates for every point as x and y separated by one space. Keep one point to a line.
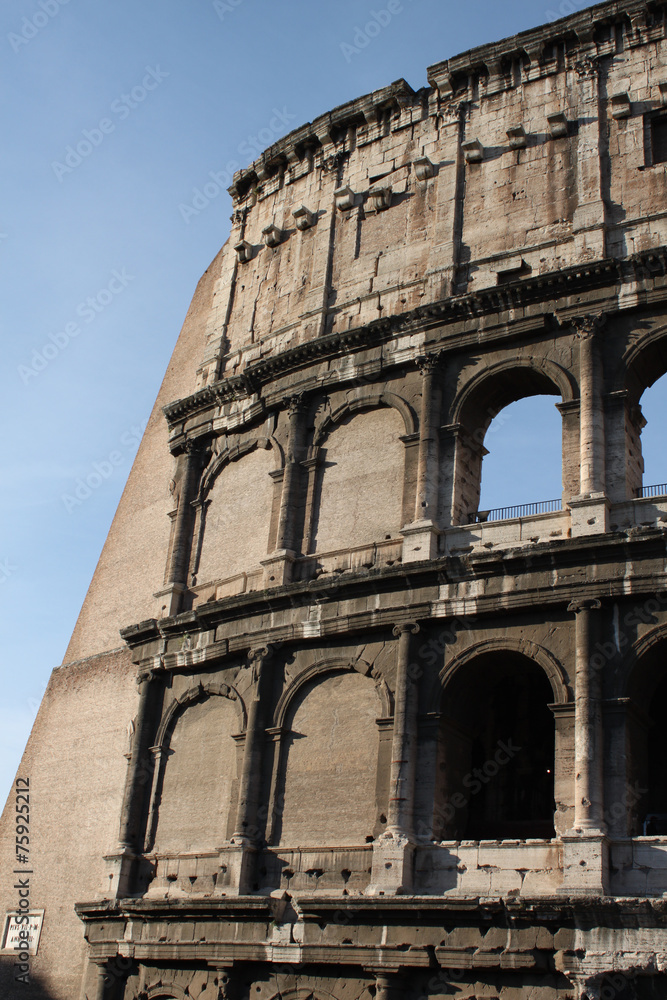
646 755
486 430
653 455
496 761
523 461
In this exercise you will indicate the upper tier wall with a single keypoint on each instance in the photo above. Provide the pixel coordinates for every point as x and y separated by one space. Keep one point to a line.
525 157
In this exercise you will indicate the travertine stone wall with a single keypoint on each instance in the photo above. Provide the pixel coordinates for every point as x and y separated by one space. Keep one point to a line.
312 792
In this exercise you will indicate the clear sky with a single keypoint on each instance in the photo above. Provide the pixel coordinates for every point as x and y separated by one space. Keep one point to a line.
99 259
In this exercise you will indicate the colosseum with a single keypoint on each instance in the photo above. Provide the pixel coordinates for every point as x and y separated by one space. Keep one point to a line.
326 730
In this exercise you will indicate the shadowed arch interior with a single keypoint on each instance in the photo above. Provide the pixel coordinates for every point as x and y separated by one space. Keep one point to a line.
646 743
496 754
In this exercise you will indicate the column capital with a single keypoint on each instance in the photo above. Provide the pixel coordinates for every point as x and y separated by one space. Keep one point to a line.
587 604
587 325
256 653
428 363
295 403
400 629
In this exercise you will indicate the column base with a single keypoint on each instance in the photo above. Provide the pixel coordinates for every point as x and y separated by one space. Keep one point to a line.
420 541
278 568
171 600
585 863
240 861
589 515
119 870
393 863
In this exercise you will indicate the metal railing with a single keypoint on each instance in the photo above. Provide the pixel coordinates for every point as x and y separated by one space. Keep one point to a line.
645 492
522 510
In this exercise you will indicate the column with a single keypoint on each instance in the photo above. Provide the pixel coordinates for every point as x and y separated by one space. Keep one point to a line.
393 852
290 494
246 816
402 780
102 983
240 856
119 868
585 846
177 571
388 986
592 436
588 748
590 509
132 800
426 506
421 537
590 215
278 567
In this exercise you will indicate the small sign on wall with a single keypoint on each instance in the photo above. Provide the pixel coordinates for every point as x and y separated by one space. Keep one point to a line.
14 934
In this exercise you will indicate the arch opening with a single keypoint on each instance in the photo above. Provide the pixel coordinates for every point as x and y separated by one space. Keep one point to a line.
486 418
523 464
650 422
496 752
646 784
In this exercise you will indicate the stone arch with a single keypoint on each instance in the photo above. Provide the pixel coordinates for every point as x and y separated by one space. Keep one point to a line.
193 694
528 378
321 669
483 395
639 692
213 742
233 454
632 680
642 364
303 993
234 510
497 724
368 400
164 991
531 650
327 785
358 492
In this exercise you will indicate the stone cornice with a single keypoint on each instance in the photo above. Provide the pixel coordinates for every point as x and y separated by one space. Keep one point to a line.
578 28
546 558
489 301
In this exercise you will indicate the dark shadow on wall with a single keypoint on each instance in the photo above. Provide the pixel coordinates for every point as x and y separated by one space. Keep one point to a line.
32 988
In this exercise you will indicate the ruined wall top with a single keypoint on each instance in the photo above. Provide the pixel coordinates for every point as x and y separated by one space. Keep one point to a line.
514 163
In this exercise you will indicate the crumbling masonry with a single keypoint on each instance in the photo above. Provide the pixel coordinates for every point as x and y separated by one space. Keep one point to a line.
382 743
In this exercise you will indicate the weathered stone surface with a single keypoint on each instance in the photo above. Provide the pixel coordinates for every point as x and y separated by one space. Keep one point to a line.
383 743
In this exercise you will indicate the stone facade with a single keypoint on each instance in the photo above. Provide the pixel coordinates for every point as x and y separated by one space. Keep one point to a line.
357 737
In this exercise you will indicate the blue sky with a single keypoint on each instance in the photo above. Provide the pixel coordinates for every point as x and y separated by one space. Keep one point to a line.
98 263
